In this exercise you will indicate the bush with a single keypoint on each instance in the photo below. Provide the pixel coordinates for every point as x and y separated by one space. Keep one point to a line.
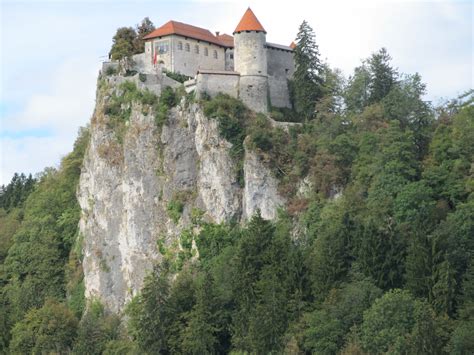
110 71
177 76
175 209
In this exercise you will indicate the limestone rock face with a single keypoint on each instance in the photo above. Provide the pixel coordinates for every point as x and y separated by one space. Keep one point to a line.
128 184
261 189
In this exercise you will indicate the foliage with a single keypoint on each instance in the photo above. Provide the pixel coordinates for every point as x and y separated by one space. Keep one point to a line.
398 323
128 40
123 43
175 209
34 269
328 327
307 79
17 191
142 29
96 330
49 329
181 78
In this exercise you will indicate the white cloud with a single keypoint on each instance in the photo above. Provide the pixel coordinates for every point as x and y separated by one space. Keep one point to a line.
61 111
69 103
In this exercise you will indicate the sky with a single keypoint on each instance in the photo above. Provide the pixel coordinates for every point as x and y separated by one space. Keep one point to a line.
51 52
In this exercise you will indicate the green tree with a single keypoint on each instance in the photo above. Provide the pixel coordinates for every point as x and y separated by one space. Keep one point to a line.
200 334
96 329
356 93
123 43
330 257
327 327
149 314
307 79
145 27
405 104
382 75
397 323
49 329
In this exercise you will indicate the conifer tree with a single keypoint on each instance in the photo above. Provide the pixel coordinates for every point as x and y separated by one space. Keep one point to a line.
307 79
382 75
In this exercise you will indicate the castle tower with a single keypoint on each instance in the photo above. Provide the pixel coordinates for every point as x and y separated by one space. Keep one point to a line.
250 60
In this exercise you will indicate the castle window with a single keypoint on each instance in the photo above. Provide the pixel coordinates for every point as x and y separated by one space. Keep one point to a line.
188 48
206 52
231 56
196 49
180 46
215 54
161 47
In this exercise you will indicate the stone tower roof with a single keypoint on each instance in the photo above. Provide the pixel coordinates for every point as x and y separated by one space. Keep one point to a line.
249 22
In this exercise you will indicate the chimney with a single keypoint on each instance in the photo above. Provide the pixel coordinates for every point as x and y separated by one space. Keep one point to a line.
217 33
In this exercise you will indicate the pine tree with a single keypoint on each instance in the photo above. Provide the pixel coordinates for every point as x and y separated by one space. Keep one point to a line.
382 75
307 79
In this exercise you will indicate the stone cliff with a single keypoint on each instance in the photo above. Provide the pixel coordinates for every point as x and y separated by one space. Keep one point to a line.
143 185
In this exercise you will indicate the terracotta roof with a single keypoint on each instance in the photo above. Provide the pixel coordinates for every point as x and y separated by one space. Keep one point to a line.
185 30
293 45
249 22
226 40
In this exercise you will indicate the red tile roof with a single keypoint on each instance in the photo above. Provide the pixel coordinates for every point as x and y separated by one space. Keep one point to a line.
226 40
185 30
249 22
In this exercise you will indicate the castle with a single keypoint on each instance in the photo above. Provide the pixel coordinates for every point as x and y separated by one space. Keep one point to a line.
244 66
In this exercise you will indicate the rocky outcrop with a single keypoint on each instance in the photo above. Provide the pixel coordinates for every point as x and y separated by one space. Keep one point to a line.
128 185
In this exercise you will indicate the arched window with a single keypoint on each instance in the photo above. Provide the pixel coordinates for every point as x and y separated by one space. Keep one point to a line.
180 46
196 49
187 47
206 51
215 54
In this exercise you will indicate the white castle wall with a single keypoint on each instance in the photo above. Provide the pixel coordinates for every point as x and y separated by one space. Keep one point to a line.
184 61
213 83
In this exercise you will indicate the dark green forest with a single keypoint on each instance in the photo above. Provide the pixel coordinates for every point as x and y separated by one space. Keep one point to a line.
376 258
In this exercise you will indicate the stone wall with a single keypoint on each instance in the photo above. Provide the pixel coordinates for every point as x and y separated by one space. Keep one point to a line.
279 92
253 91
281 67
143 64
229 59
214 82
280 62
